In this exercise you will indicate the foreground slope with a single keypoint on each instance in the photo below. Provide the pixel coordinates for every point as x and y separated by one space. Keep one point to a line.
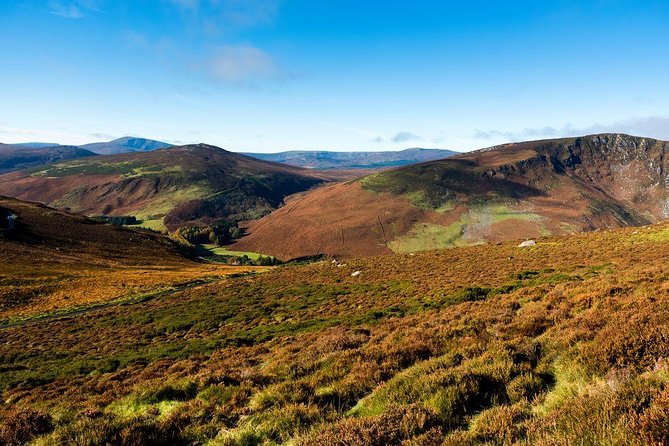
353 160
557 344
52 261
16 157
196 184
507 192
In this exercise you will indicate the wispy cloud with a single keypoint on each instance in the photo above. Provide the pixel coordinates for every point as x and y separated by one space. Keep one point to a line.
651 126
221 14
104 136
188 100
64 10
73 9
213 56
243 64
404 137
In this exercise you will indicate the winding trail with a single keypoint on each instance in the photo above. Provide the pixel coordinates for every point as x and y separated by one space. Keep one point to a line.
127 300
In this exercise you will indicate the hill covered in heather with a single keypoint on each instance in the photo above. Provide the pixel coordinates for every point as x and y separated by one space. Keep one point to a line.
494 344
318 159
520 190
195 185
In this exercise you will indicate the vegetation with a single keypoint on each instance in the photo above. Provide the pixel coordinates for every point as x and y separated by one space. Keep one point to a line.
560 343
194 185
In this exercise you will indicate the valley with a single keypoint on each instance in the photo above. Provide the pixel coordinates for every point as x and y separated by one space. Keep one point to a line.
334 223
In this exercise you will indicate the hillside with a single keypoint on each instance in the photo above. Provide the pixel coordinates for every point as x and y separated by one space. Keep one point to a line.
173 187
16 157
353 160
125 145
481 345
523 190
52 261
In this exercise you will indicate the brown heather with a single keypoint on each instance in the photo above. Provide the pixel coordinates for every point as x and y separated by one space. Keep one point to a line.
562 343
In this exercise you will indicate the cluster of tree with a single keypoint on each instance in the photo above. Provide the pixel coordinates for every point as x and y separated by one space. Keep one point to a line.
218 234
118 220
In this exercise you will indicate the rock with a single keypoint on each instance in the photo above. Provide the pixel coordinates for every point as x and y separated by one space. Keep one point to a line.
355 274
527 243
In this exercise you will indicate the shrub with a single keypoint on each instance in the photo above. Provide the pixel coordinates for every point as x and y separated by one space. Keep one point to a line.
175 391
525 387
23 425
277 425
500 424
653 423
391 428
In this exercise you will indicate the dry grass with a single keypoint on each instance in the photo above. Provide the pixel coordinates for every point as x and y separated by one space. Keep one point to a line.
557 344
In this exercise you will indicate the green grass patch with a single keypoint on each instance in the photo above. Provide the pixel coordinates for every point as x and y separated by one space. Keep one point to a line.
208 250
427 236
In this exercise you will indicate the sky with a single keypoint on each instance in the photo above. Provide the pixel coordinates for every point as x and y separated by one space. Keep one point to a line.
272 75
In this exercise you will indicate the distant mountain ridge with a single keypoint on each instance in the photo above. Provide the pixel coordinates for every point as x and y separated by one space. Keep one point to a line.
126 144
35 145
354 160
16 157
193 185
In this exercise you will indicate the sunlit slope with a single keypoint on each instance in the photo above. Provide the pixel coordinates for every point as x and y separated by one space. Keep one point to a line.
54 262
508 192
560 343
178 186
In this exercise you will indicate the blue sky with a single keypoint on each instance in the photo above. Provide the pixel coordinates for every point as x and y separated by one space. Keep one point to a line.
340 75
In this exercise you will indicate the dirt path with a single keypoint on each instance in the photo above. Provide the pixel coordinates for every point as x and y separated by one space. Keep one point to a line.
128 300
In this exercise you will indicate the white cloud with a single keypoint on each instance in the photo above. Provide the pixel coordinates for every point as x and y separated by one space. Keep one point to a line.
65 10
651 126
221 14
405 137
243 64
73 9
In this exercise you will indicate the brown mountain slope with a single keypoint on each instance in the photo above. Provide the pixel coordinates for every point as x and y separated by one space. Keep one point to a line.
507 192
53 261
178 186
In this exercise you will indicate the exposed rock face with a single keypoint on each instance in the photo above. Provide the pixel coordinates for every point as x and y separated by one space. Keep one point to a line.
631 171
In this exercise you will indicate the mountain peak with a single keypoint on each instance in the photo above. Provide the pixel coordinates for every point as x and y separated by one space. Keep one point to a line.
126 144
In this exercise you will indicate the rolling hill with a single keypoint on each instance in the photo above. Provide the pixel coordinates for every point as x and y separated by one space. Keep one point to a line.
353 160
54 262
562 343
179 186
513 191
125 145
16 157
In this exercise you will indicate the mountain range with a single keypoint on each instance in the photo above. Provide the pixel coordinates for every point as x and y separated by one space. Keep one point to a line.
194 185
304 158
16 157
353 160
518 190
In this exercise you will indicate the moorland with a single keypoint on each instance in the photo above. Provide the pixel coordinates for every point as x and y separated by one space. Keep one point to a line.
554 344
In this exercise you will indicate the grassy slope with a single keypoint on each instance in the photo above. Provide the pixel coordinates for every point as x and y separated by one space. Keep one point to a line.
520 190
55 262
560 343
195 184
